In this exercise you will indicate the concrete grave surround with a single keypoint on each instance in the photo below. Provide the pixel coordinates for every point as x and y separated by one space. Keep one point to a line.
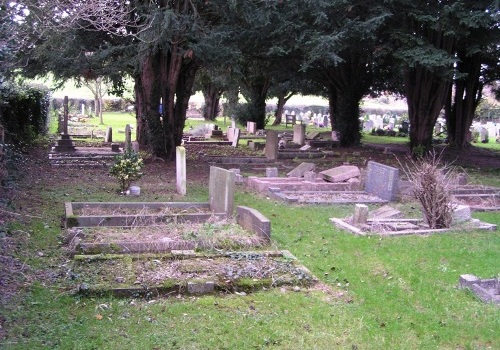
221 190
341 173
487 290
382 180
253 221
180 170
301 169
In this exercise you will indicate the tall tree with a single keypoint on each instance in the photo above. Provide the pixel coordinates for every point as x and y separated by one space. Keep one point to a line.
340 46
478 64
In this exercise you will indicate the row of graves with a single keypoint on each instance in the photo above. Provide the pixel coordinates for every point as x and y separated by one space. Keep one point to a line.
167 248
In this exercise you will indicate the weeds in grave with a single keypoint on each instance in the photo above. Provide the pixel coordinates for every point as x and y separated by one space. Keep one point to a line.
431 182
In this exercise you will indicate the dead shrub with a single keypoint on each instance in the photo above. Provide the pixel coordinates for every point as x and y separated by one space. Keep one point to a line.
431 187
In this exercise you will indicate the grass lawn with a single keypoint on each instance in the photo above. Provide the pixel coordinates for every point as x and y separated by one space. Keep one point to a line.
375 293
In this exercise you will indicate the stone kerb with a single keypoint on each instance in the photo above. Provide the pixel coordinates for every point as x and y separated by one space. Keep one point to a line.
382 181
221 190
253 221
487 290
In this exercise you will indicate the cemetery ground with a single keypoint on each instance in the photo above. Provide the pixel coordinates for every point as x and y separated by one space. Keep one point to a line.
373 292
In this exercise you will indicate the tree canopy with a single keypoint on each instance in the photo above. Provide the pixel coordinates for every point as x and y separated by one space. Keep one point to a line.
440 53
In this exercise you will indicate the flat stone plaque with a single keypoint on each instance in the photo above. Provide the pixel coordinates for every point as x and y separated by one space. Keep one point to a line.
340 173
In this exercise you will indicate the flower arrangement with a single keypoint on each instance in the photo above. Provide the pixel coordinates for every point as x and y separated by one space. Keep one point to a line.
127 168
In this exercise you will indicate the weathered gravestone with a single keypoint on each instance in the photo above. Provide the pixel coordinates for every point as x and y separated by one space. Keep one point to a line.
230 134
109 135
180 169
271 144
340 173
301 169
484 135
251 127
221 190
382 181
236 137
299 134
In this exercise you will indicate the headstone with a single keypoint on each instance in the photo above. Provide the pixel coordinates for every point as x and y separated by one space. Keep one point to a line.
115 147
484 135
221 190
135 146
360 214
301 169
238 178
299 134
180 169
382 181
128 138
368 126
271 172
109 135
251 127
341 173
230 134
236 137
271 145
325 121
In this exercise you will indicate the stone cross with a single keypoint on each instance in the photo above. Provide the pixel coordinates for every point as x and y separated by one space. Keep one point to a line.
65 115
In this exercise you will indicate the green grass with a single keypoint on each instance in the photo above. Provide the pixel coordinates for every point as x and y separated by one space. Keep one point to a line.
383 293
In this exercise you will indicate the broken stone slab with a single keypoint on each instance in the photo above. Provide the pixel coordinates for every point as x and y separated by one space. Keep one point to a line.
310 176
312 135
301 169
341 173
305 147
487 290
385 212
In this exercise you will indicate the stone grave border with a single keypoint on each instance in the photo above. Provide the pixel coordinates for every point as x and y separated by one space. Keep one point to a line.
72 220
295 197
471 192
487 290
193 286
249 219
475 225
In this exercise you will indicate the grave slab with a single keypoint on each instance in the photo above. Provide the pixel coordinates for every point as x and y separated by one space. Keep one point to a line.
301 169
341 173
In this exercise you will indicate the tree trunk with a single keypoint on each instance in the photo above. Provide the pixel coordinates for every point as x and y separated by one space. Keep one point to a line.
168 77
346 118
257 94
426 93
212 97
466 98
282 100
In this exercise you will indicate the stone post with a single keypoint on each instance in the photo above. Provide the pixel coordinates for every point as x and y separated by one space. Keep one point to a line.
360 214
128 138
180 168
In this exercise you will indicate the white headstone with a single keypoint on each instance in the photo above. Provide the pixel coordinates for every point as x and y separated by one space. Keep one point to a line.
180 168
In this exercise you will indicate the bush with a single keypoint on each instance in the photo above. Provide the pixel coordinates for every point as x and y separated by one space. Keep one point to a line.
127 168
24 111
